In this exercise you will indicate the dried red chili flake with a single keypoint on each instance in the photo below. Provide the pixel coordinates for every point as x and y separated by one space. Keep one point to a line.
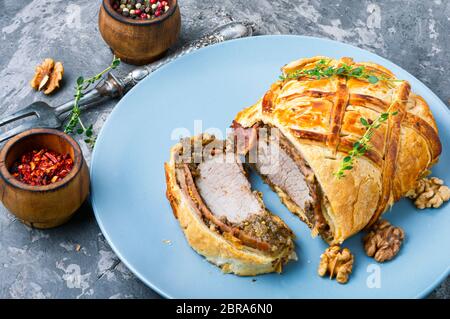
42 167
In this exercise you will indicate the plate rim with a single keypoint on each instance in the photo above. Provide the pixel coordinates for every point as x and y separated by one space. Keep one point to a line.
105 233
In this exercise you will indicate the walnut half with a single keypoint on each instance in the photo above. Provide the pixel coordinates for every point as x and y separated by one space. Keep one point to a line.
429 192
47 76
336 263
383 241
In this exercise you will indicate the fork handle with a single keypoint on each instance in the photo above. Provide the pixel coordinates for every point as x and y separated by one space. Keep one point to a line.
89 98
115 87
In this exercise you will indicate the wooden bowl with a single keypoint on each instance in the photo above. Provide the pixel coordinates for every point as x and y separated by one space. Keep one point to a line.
139 41
50 205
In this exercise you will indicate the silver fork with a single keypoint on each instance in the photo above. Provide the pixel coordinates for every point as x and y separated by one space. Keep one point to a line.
47 116
113 87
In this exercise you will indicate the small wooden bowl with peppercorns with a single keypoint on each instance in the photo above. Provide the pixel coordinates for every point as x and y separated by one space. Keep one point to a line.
139 31
44 178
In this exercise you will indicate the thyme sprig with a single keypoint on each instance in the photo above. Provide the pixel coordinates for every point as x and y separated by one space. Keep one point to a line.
362 146
323 69
75 124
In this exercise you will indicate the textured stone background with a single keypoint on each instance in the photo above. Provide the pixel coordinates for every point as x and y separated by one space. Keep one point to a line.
46 264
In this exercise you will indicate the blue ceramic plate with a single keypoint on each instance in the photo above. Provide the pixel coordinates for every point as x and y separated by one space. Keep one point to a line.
212 85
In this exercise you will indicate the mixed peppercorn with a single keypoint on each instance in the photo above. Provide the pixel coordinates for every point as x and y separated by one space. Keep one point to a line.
42 167
141 9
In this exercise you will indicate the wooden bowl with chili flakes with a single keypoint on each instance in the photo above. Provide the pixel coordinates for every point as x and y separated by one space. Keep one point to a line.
139 41
44 178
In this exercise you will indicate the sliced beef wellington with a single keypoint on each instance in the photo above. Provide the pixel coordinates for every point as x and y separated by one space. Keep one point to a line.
222 218
317 121
287 173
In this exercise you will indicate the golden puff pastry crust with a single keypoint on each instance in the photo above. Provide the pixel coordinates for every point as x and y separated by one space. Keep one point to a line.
321 118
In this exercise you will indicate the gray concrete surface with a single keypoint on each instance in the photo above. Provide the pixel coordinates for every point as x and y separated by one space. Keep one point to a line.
46 264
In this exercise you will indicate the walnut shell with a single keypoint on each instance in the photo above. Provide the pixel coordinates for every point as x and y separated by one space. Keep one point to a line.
47 76
429 192
337 263
383 241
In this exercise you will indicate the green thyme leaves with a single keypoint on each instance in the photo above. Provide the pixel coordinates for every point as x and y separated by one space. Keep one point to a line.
75 124
323 69
362 146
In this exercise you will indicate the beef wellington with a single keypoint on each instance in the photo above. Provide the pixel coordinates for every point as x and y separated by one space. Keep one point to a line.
311 124
222 218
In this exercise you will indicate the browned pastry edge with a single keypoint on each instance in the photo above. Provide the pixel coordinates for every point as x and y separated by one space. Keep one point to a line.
427 131
337 114
392 148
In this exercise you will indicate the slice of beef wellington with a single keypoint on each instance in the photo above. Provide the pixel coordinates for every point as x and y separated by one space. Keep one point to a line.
316 121
288 174
220 215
